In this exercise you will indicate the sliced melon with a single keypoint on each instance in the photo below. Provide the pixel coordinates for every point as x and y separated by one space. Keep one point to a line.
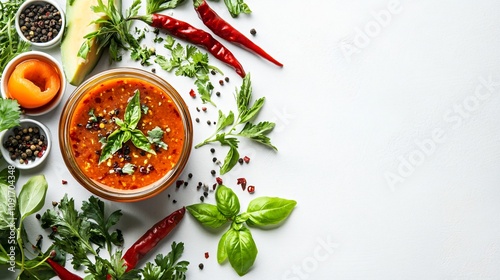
79 17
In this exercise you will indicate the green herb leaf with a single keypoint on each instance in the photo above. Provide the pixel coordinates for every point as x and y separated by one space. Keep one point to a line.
141 141
155 6
155 136
9 176
249 114
227 201
129 168
241 249
230 160
264 211
221 247
32 196
244 96
101 224
236 7
207 214
258 133
133 111
10 113
114 142
224 121
167 267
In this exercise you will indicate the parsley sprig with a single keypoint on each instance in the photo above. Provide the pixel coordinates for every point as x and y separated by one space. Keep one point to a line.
226 131
10 113
190 62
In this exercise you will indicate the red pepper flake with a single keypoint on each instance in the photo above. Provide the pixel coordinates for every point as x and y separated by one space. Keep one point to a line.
246 159
204 109
64 182
192 93
219 180
251 189
242 182
206 255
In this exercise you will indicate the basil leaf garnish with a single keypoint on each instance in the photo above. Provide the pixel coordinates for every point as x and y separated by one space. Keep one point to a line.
264 211
207 214
227 201
241 250
32 196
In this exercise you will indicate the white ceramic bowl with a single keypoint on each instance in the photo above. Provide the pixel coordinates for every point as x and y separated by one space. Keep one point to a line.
9 68
41 45
26 123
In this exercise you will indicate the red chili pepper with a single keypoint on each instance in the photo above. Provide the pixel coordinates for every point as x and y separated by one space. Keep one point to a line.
223 29
62 272
151 238
199 37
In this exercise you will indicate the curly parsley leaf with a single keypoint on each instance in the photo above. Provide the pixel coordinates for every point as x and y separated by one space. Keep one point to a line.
10 113
237 7
167 267
102 235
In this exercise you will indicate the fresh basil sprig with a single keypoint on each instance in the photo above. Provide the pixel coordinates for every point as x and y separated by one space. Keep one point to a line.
127 131
246 113
237 244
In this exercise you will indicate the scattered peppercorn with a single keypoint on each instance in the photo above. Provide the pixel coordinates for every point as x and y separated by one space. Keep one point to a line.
197 109
201 266
190 175
38 216
202 198
240 160
209 122
226 79
153 70
205 194
212 172
212 150
192 93
179 183
253 31
174 201
54 203
26 144
221 82
214 159
197 120
218 94
204 109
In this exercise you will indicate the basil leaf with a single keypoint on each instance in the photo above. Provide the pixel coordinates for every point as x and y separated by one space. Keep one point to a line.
7 174
32 196
236 7
224 121
8 198
230 160
264 211
221 247
120 123
207 214
133 111
241 250
227 201
4 258
114 142
141 141
250 114
258 133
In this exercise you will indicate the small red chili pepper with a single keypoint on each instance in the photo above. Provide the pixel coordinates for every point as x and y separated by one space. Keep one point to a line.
199 37
223 29
62 272
206 255
151 238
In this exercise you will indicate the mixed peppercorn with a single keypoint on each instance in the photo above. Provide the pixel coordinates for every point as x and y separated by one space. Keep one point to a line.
40 23
26 144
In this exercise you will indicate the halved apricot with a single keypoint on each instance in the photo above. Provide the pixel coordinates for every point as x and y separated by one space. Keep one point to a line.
33 83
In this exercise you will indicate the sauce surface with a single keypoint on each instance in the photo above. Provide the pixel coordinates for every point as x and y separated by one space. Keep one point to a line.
93 121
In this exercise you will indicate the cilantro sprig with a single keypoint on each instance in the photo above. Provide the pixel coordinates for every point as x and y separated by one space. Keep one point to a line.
127 131
190 62
226 131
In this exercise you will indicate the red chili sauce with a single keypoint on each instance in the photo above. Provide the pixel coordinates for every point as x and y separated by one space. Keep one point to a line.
93 121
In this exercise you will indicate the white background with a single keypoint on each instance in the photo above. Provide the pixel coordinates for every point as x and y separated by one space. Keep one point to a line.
371 90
